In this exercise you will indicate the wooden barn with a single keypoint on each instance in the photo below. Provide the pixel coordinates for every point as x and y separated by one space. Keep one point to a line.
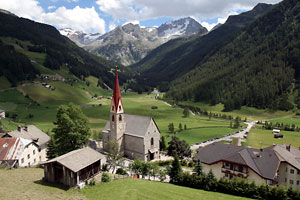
75 167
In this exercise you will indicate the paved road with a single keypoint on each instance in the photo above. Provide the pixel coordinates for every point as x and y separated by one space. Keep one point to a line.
240 134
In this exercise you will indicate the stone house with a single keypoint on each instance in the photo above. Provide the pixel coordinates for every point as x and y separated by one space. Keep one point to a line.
75 167
18 152
34 134
274 165
137 136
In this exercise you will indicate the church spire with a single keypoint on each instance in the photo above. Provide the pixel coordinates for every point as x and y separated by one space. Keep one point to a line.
116 94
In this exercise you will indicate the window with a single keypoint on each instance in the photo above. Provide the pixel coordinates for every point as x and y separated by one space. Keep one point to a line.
22 160
298 171
285 180
292 171
34 160
112 108
285 169
120 118
291 182
113 118
297 182
152 141
33 152
120 108
240 168
28 156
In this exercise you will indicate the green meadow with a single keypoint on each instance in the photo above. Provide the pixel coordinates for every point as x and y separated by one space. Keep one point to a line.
26 183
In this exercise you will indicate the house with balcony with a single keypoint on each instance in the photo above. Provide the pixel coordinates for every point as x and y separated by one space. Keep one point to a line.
274 165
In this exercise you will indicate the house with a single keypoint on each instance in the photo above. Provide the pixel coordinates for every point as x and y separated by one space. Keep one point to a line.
274 165
2 114
34 134
75 167
15 152
137 136
276 131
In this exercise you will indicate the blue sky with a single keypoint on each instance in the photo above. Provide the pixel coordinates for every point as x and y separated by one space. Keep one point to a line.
93 16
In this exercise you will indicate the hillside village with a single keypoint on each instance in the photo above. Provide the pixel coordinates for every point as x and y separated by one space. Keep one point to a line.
183 110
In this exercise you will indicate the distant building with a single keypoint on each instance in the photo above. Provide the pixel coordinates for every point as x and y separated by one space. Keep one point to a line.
137 136
2 114
18 152
34 134
276 131
75 167
275 165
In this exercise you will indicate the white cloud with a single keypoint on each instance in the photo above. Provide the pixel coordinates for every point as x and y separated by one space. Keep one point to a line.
82 19
112 26
220 20
145 9
51 7
132 22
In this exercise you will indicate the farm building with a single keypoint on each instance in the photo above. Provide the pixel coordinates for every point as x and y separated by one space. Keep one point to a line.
137 136
2 114
15 152
75 167
34 134
276 131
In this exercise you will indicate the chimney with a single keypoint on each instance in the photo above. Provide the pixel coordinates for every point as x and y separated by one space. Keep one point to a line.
25 128
19 128
288 147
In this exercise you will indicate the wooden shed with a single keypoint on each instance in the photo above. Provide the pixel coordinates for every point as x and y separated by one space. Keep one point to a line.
74 167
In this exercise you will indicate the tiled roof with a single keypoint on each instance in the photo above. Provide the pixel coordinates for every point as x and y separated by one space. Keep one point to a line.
136 125
32 133
78 159
12 148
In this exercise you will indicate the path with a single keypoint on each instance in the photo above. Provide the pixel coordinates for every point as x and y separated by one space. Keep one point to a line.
239 134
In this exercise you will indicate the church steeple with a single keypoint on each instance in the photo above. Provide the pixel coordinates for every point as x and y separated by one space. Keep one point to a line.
116 98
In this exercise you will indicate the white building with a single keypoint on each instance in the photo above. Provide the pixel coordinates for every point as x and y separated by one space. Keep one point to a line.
16 152
2 114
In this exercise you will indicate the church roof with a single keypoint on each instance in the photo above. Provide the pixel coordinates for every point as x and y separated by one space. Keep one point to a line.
136 125
116 94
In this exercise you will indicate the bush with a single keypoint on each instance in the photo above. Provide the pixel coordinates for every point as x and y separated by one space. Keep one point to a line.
105 167
93 181
105 178
121 171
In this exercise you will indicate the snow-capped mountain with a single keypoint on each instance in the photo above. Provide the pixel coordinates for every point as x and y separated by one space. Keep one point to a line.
79 37
130 43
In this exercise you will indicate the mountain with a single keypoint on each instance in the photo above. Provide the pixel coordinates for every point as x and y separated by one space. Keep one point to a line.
177 57
130 43
27 45
259 67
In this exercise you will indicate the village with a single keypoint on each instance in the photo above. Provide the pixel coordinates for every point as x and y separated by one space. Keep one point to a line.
129 142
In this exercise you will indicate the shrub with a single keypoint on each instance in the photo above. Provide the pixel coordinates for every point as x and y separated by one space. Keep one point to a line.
105 167
93 181
105 177
121 171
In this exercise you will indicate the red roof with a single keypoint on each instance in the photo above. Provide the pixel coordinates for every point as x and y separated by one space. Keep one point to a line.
116 94
5 145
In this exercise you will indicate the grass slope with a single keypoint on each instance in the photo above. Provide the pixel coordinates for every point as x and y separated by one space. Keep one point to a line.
142 189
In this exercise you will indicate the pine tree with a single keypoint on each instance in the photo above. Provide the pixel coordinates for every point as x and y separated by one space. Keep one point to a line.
185 127
198 168
162 143
180 126
51 150
175 170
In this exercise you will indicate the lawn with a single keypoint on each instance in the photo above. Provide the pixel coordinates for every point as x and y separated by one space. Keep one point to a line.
193 136
26 184
263 138
132 189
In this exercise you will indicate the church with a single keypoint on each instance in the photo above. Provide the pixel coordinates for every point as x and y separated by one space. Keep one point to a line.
138 136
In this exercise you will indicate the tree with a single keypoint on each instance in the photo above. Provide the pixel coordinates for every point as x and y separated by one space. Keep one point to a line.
198 168
71 129
51 150
180 127
114 156
171 127
186 112
179 147
162 174
136 166
175 170
237 122
154 170
162 143
185 127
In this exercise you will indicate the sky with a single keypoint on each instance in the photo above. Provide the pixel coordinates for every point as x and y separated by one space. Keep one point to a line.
101 16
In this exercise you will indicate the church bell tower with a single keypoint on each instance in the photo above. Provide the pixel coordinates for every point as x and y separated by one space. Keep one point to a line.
117 121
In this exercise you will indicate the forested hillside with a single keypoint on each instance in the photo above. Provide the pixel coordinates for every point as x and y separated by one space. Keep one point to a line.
44 39
180 56
258 68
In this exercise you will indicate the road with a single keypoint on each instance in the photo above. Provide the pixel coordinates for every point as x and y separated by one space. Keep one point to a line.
239 134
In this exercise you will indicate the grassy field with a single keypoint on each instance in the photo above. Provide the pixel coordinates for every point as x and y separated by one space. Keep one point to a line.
27 184
263 138
193 136
142 189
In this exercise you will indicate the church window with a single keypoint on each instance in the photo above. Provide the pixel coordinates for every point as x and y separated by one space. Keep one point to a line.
120 108
152 141
112 108
113 118
120 118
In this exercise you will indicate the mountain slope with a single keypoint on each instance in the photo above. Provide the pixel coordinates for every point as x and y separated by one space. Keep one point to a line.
176 58
54 49
130 43
256 69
